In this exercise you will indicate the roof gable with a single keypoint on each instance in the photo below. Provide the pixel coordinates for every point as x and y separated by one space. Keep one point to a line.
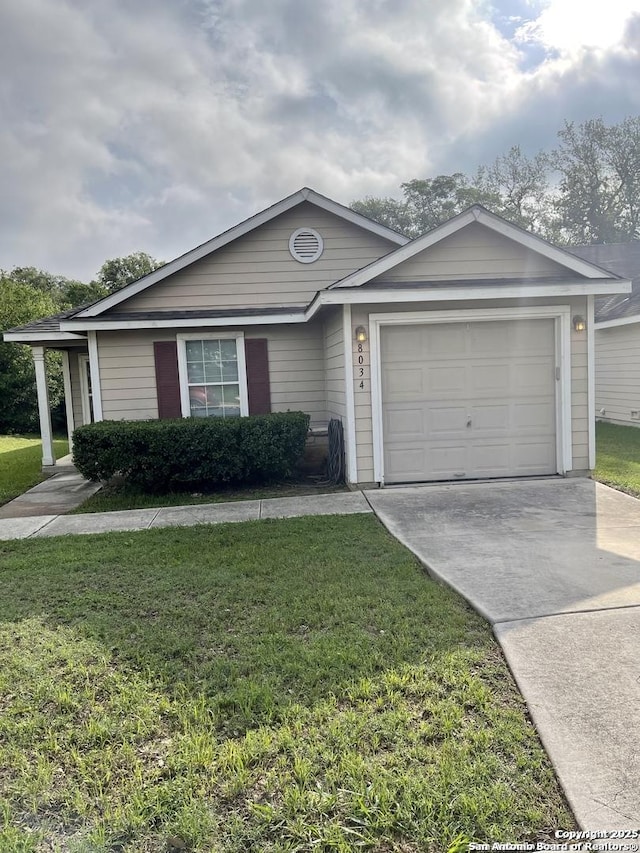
243 228
476 215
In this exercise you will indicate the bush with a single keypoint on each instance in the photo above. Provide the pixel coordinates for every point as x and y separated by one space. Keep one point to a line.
190 452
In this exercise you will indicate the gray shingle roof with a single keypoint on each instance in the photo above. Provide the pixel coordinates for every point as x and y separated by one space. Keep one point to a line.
52 324
624 260
46 324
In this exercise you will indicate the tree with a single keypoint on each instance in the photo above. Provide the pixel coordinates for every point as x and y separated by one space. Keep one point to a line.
598 198
587 190
427 203
19 304
517 187
435 200
118 272
387 211
66 292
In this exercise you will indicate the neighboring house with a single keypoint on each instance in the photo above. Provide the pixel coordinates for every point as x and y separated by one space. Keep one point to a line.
617 335
466 353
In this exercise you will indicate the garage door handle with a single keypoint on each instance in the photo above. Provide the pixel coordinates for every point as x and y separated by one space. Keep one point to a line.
469 421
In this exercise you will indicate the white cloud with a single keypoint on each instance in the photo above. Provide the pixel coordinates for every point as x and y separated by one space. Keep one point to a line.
572 26
154 125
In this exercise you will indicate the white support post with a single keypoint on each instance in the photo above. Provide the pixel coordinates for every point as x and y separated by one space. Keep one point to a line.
591 380
94 367
44 411
68 400
350 407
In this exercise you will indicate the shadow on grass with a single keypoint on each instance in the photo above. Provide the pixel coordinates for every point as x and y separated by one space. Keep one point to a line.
253 616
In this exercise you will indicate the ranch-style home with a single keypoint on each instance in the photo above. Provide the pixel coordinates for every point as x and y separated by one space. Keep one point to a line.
466 353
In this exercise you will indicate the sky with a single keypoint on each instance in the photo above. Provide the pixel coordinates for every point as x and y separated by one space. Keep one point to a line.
153 125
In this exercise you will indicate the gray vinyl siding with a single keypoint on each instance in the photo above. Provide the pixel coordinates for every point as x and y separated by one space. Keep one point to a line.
618 374
334 364
579 380
475 252
296 370
258 270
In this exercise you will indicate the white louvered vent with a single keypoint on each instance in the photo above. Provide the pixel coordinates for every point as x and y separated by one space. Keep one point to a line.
306 245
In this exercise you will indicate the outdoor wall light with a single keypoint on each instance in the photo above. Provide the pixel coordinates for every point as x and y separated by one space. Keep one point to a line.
579 324
361 334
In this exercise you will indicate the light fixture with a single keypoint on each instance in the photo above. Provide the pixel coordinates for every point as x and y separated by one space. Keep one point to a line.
361 334
579 324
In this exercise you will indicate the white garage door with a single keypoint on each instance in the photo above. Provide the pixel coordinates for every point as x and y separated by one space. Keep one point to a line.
468 400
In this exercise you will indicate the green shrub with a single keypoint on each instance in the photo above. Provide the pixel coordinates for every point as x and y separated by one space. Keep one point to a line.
190 452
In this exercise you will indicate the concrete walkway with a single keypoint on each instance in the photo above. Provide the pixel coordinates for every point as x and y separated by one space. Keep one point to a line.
342 503
554 565
55 496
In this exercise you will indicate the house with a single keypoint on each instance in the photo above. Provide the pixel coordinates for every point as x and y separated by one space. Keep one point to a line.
466 353
617 376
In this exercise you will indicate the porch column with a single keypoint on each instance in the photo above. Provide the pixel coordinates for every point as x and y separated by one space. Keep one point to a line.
68 400
43 406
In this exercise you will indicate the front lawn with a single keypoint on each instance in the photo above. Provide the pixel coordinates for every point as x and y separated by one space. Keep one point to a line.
21 462
618 457
291 685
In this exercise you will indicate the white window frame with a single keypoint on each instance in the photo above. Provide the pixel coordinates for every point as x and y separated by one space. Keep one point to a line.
561 314
181 340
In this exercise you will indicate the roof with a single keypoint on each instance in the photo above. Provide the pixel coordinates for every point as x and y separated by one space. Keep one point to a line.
480 214
305 194
624 260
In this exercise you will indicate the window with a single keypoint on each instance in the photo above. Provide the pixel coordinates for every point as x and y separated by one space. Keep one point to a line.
212 375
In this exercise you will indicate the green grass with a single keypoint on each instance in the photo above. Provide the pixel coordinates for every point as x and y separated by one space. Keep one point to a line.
291 685
618 457
121 496
20 463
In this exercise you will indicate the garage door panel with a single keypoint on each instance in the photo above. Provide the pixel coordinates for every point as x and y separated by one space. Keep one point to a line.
448 461
493 377
500 375
408 423
441 341
540 417
495 417
483 338
404 383
405 461
448 378
446 420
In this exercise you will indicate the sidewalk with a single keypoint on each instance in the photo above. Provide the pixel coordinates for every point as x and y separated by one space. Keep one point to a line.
55 496
55 524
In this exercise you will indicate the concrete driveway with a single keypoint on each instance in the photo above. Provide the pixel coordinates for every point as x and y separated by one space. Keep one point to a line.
554 565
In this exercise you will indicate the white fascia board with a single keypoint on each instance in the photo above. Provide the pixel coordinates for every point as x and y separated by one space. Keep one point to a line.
489 220
580 287
103 325
240 230
622 321
35 337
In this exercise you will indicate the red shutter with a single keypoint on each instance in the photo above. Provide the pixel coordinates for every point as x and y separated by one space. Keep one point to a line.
165 354
257 357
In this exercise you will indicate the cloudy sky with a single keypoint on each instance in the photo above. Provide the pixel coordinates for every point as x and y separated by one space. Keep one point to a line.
155 124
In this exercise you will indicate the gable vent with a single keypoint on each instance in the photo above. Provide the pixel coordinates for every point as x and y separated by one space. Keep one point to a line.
306 245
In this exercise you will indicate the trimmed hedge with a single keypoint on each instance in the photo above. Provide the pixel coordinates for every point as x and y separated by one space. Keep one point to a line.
161 455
